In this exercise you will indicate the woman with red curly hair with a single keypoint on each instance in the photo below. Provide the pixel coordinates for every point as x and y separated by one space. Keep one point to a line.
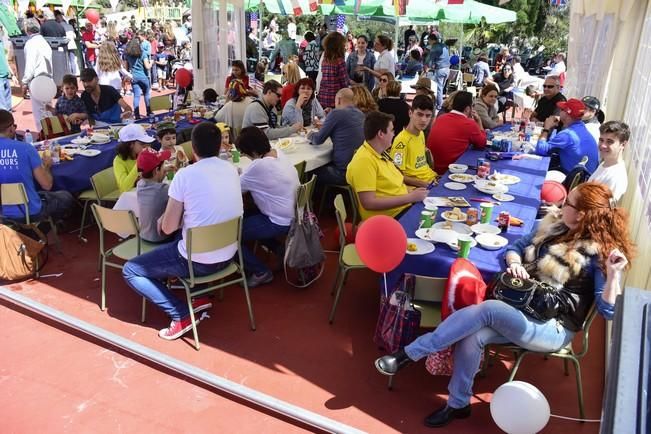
580 250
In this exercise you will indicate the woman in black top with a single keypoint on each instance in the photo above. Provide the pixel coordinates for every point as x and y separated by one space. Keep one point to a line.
392 104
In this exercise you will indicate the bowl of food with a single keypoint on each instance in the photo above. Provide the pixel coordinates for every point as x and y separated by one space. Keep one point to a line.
457 168
100 138
491 241
286 145
456 215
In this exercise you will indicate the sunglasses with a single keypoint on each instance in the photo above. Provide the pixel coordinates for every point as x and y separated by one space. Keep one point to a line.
384 80
549 86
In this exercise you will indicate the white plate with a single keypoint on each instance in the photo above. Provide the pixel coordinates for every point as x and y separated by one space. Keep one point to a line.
503 197
457 168
491 241
490 189
484 228
100 138
504 178
422 247
89 152
70 149
459 228
80 141
423 234
447 215
285 145
454 186
462 177
443 236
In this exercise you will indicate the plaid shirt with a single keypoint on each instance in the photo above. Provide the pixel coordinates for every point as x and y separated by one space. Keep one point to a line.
65 106
334 77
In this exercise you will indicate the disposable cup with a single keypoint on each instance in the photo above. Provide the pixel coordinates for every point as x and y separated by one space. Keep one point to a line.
486 210
465 241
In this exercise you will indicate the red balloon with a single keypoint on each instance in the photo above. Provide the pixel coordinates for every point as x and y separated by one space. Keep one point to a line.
92 15
183 77
381 243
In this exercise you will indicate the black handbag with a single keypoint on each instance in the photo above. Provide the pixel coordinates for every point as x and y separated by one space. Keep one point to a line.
537 299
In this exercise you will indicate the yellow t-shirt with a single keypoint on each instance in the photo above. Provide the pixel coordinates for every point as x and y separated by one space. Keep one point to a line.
408 153
370 171
126 173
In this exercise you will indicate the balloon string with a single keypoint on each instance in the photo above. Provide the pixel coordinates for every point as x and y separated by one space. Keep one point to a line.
386 288
575 419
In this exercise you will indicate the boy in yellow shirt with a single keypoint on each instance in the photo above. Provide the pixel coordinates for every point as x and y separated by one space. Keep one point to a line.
409 151
371 173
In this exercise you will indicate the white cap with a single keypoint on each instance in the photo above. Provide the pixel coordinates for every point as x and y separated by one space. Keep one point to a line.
132 132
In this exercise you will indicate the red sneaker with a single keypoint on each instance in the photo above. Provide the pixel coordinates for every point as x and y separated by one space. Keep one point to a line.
201 304
176 329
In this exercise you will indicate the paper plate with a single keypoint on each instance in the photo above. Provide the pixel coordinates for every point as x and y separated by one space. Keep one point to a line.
485 228
447 215
423 234
490 187
89 152
100 138
419 247
503 197
459 228
445 236
504 178
457 168
80 141
454 186
462 177
491 241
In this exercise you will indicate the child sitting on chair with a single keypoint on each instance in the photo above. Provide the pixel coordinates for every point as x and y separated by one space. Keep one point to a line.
226 145
70 105
210 96
166 133
151 193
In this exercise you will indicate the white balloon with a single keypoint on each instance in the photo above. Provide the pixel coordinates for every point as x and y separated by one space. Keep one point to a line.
519 408
42 89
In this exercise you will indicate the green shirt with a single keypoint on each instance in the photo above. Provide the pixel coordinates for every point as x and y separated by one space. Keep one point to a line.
4 66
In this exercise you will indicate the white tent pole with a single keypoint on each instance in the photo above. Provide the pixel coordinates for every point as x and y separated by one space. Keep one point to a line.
260 12
191 371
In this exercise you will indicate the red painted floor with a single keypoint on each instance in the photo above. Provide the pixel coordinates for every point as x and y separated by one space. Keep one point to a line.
56 380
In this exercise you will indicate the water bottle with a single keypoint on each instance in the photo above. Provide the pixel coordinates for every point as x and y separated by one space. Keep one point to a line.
54 151
28 137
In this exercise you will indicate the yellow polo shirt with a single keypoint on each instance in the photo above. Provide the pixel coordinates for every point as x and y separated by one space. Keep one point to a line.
408 154
370 171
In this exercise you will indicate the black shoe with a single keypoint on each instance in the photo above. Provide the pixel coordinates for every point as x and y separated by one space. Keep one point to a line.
389 365
445 415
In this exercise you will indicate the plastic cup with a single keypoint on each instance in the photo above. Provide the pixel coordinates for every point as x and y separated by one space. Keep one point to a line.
465 241
486 212
236 155
170 175
426 219
433 210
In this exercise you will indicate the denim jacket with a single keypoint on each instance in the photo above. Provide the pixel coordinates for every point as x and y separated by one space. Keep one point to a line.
369 61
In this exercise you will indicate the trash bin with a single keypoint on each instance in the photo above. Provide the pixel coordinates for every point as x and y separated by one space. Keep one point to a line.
60 65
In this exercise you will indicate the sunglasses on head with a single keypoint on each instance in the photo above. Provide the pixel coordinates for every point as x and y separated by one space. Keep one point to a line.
549 86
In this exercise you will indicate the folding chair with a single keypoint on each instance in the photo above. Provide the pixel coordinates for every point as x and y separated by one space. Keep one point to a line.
348 257
187 148
566 353
578 175
55 126
105 189
15 194
122 223
206 239
300 169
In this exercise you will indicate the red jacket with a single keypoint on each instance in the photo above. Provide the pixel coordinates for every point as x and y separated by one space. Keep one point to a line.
287 94
449 138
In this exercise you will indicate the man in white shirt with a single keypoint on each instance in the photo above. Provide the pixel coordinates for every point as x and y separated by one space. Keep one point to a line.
613 138
205 193
38 61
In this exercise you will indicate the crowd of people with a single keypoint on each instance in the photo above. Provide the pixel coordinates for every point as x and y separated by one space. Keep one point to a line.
342 91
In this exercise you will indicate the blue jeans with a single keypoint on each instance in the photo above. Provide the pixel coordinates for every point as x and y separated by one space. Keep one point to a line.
473 327
330 175
440 76
5 94
258 227
146 273
140 87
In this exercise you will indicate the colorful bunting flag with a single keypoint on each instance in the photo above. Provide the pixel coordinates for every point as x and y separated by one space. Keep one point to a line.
400 7
340 2
341 22
455 2
296 7
326 2
254 20
313 6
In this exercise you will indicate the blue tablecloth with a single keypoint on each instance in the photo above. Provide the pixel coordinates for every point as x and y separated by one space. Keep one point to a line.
525 206
74 176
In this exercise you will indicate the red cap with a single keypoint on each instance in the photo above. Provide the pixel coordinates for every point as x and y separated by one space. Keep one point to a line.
573 107
148 159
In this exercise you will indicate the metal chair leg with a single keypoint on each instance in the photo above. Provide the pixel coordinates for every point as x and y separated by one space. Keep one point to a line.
579 387
144 309
390 383
195 334
516 366
334 286
337 295
248 302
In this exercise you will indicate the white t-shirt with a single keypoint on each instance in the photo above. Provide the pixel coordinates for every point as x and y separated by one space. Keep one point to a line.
272 183
593 128
385 61
210 192
615 177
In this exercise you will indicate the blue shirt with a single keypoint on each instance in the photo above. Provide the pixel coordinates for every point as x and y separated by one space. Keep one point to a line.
65 106
17 163
137 66
345 126
572 143
439 57
606 309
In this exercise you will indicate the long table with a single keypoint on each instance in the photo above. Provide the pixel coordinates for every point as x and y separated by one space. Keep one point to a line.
525 207
74 176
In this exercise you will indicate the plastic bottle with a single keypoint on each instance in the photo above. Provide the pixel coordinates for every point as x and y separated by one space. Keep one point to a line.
28 137
54 151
